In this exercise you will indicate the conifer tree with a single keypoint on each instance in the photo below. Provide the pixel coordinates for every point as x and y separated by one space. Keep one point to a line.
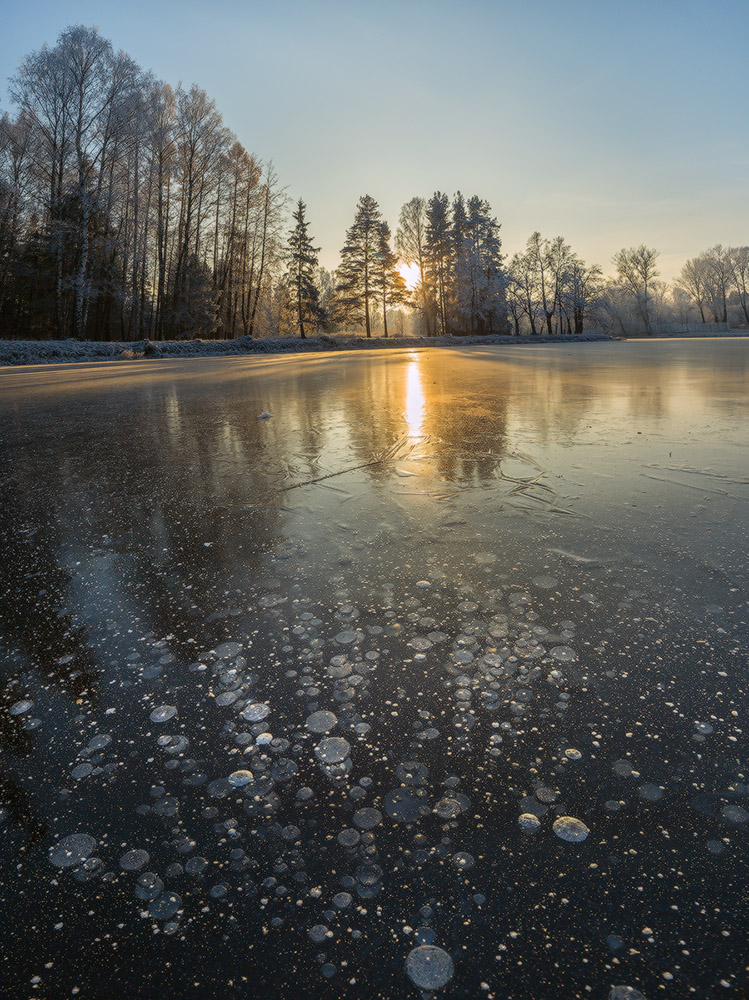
357 284
439 251
301 259
479 281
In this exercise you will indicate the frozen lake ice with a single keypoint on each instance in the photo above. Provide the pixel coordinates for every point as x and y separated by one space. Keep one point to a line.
435 682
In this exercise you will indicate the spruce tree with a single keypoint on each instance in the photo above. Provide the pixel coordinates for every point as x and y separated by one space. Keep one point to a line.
301 258
478 279
357 283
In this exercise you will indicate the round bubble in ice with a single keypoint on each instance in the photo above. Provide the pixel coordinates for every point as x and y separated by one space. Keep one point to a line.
256 711
402 806
563 654
133 861
332 750
21 707
165 906
163 713
72 850
570 829
651 792
349 837
228 650
529 823
346 637
81 770
240 778
172 744
546 795
735 815
148 886
429 967
367 818
342 900
321 722
448 807
225 699
462 860
412 772
318 933
622 768
625 993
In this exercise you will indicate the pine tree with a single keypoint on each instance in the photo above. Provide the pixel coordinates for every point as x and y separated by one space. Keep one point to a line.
388 279
301 259
356 275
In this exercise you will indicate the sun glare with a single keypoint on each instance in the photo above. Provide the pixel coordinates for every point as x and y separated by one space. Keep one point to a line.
410 274
414 398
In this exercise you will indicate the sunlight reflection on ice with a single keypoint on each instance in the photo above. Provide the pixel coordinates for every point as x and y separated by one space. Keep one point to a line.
414 398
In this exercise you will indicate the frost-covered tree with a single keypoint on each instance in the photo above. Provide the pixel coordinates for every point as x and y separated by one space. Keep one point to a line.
357 281
478 279
115 191
388 279
694 280
718 266
81 96
580 290
739 265
439 252
411 244
302 265
545 260
637 269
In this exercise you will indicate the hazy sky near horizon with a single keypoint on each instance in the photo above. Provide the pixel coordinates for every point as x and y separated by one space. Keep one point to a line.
611 123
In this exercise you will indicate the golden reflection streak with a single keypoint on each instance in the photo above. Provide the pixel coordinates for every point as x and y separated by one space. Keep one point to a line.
414 398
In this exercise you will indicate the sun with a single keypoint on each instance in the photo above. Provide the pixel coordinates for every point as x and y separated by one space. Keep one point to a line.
410 274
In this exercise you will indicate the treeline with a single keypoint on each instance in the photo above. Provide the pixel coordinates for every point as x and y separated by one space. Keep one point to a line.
128 210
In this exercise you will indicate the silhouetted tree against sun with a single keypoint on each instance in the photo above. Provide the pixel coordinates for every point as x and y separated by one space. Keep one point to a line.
388 279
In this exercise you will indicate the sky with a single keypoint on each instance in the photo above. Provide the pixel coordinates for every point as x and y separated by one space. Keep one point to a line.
611 123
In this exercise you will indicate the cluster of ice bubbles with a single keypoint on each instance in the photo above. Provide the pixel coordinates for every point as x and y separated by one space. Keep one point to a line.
20 709
494 664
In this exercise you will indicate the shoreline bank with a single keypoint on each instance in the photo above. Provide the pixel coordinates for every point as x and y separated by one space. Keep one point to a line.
14 353
40 352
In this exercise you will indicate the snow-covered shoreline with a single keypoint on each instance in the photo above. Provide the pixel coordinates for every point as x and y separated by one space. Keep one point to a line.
41 352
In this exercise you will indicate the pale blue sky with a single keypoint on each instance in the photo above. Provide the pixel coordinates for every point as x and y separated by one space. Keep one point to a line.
610 123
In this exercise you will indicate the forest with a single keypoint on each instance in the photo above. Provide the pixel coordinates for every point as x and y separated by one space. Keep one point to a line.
129 210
